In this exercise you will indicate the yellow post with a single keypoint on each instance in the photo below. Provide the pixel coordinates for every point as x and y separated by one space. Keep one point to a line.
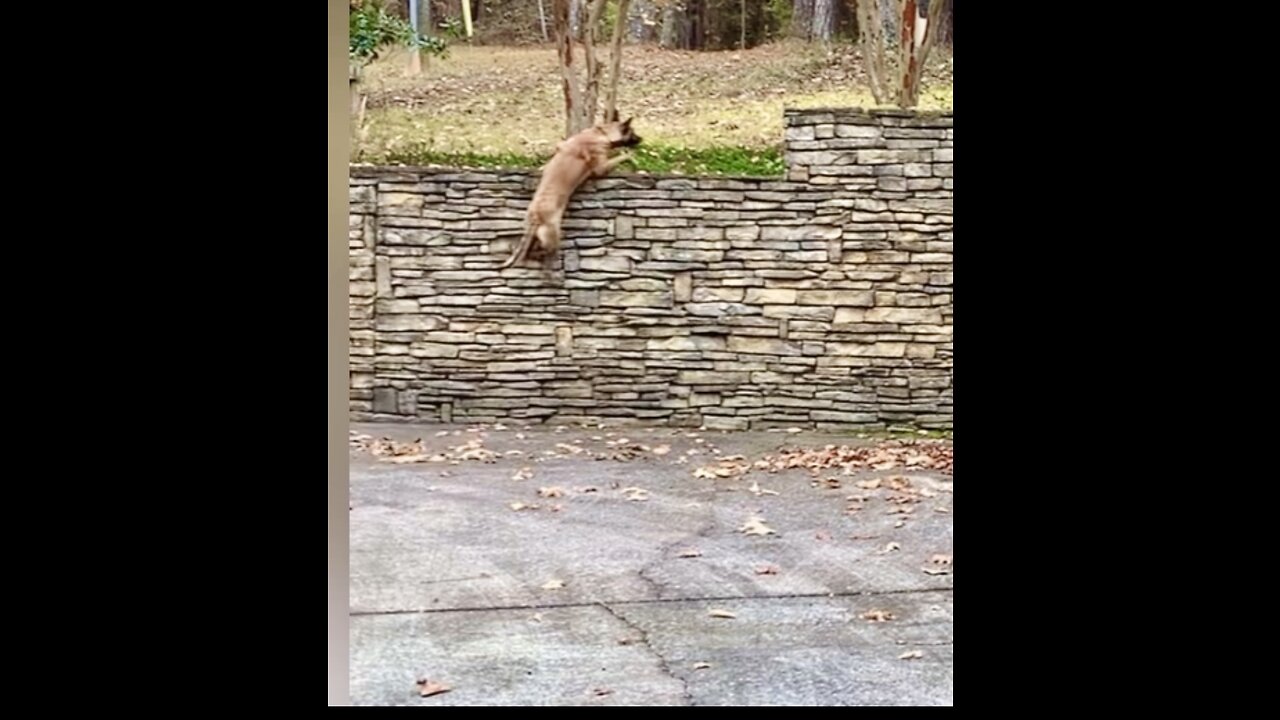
466 15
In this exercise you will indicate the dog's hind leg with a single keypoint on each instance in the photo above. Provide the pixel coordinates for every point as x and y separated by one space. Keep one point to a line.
548 247
548 240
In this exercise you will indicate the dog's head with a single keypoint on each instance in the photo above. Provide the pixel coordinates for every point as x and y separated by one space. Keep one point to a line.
619 134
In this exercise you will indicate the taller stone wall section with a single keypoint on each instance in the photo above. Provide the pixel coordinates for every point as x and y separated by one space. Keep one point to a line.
822 299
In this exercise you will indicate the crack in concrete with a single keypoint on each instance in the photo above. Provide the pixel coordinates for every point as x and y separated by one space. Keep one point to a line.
658 586
663 665
584 604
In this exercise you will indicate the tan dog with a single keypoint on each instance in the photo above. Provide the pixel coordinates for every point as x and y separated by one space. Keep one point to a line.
581 157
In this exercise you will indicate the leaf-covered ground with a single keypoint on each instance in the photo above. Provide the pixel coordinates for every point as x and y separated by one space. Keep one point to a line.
698 111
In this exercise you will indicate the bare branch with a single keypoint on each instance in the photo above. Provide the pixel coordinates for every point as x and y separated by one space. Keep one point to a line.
615 61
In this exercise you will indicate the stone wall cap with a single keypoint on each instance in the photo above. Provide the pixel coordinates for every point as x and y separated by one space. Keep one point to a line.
365 170
870 112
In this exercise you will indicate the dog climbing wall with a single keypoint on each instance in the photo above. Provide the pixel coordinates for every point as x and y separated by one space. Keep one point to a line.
822 299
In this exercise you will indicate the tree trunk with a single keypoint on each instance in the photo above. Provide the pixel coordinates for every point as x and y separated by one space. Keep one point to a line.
698 23
590 35
802 19
889 18
569 78
919 29
824 20
945 26
874 49
674 27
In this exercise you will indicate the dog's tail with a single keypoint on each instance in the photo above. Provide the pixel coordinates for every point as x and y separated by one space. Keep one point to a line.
522 250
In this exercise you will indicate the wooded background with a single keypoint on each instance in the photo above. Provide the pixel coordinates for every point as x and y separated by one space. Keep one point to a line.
673 24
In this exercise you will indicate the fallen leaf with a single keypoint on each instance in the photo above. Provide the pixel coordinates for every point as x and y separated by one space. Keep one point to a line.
878 616
900 523
766 569
405 459
601 692
701 665
911 655
899 483
442 433
553 585
427 688
758 491
689 553
822 535
588 489
722 614
833 483
523 473
940 559
890 548
550 492
942 510
869 484
756 526
661 450
523 506
635 494
937 571
520 436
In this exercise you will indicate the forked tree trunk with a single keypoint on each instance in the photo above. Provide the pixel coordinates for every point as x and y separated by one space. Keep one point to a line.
582 93
917 25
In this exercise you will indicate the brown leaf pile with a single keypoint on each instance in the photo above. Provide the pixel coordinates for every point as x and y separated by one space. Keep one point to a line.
911 454
727 467
388 450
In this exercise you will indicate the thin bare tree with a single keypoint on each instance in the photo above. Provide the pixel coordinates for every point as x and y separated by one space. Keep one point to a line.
582 92
615 59
917 26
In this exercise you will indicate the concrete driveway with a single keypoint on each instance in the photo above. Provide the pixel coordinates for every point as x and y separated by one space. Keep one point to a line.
629 581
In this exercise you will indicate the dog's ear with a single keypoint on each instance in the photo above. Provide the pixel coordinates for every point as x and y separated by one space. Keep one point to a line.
627 125
613 115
